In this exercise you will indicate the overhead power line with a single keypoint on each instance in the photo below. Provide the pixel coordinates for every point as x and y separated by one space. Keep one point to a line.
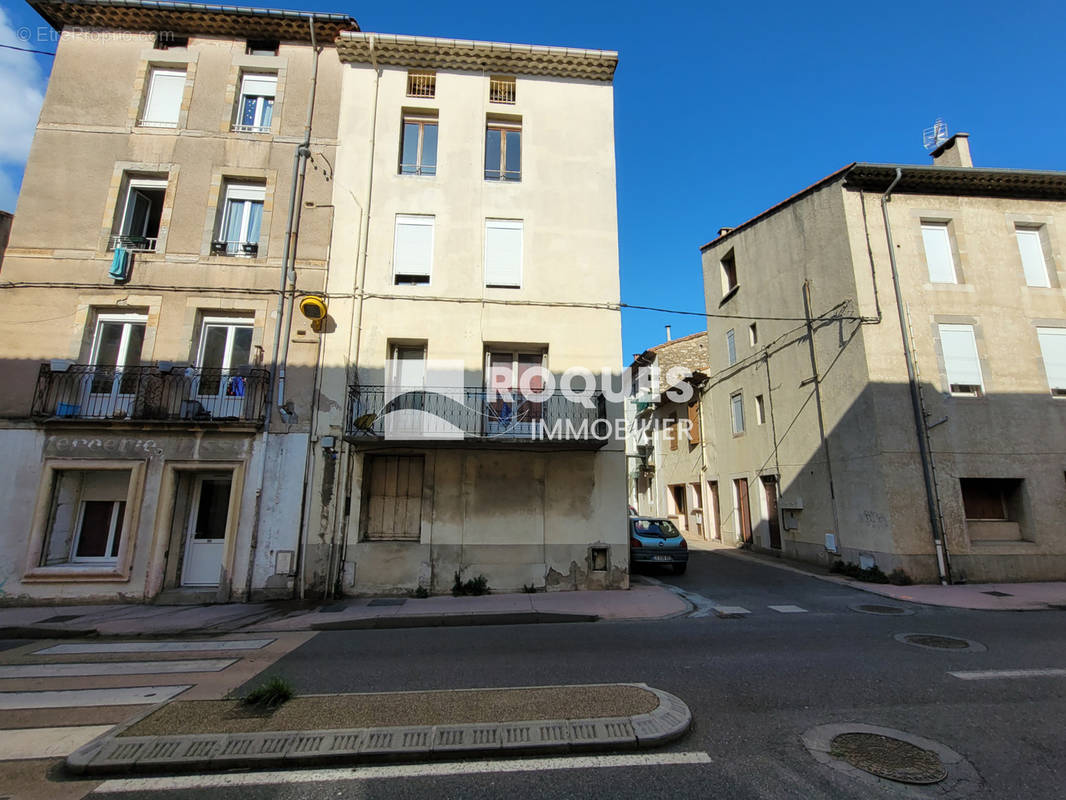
27 50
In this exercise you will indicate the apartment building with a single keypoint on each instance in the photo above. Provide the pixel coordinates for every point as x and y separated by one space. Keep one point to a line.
181 168
900 399
475 261
667 451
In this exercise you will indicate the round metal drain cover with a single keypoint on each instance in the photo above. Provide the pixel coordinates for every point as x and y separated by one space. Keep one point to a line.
936 641
886 611
888 758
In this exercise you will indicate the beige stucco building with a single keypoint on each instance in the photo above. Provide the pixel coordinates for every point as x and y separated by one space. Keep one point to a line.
475 240
143 285
917 420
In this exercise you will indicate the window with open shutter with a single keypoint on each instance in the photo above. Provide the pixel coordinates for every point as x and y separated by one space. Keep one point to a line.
694 423
1053 348
961 362
412 258
503 252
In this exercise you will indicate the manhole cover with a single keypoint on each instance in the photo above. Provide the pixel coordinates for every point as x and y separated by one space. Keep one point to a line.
936 641
889 758
873 608
388 601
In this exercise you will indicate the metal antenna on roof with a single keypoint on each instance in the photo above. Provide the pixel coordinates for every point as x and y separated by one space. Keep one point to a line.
935 136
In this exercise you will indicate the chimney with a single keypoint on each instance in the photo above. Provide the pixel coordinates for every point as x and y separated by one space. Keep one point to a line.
668 333
955 152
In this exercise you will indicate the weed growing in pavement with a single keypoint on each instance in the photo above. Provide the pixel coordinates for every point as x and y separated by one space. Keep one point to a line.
852 570
474 586
529 588
899 577
422 592
269 695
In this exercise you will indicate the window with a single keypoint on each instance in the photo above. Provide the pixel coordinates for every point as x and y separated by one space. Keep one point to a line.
393 500
256 109
503 150
509 410
421 83
503 253
138 215
412 258
729 273
753 334
418 150
162 105
760 410
87 517
1053 348
165 40
731 346
261 47
736 405
961 362
118 342
987 498
1034 263
225 347
242 218
938 253
501 89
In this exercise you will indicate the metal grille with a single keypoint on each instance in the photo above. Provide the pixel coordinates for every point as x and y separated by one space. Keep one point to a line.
191 394
501 90
421 84
136 244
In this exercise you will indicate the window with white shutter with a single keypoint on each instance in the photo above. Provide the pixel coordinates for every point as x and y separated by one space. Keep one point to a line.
1033 262
503 252
163 103
1053 348
961 362
412 258
938 255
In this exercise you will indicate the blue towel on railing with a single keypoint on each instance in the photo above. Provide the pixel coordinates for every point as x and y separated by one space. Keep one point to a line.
120 264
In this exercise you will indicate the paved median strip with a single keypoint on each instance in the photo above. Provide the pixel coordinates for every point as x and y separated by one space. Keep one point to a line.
998 674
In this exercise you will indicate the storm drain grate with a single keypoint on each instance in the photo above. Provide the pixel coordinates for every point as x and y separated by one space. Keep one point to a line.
997 593
388 601
888 758
60 618
869 608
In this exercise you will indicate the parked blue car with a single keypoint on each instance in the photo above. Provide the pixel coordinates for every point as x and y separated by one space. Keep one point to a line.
657 541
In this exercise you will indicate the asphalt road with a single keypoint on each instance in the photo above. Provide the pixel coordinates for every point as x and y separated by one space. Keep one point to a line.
754 683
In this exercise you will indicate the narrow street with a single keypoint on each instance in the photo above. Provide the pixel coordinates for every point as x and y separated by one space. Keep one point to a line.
800 657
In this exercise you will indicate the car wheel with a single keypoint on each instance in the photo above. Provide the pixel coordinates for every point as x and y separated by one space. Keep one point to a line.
679 569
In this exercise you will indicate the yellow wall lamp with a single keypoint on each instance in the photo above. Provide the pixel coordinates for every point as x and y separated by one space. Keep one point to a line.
313 306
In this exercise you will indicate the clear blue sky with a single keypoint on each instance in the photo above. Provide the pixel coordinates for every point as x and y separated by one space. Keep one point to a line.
725 109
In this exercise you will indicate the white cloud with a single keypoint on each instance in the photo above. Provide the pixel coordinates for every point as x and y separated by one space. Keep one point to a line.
22 87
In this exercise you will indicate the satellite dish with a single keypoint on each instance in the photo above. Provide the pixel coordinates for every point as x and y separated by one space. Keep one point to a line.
935 136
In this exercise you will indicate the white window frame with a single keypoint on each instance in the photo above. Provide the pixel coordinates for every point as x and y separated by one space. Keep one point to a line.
249 194
1049 337
112 532
231 324
931 242
257 126
127 321
426 220
734 417
166 72
962 329
505 224
1036 274
132 185
731 346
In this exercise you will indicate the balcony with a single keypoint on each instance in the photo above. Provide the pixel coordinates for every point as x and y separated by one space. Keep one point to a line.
163 393
473 416
135 244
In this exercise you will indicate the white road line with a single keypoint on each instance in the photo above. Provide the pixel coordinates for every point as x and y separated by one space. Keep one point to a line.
114 668
704 606
76 698
154 647
47 742
993 674
399 771
789 609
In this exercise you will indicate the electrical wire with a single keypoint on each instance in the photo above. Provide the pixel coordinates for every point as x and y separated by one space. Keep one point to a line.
27 50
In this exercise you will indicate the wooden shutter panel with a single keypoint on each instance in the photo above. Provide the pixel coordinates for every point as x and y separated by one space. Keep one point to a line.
694 423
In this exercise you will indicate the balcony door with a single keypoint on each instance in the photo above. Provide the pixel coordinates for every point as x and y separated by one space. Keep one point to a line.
225 347
117 345
509 412
205 538
406 382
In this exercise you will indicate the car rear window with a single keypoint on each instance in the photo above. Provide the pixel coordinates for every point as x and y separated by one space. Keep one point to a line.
655 527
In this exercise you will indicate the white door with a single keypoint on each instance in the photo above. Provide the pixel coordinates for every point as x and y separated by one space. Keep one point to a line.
225 346
206 532
407 380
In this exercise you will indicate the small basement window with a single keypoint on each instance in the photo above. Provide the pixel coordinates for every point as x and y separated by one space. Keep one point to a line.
261 47
501 89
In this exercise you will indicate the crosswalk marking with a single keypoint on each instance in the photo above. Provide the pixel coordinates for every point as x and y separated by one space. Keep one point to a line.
26 743
789 609
114 668
730 611
78 698
992 674
155 647
225 780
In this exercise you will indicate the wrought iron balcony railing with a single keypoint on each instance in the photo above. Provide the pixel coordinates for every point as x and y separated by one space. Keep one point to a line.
148 393
442 414
136 244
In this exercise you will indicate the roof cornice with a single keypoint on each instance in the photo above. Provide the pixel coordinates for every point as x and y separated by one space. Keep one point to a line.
463 54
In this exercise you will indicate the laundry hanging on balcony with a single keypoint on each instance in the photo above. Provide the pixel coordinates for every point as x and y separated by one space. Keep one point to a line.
120 264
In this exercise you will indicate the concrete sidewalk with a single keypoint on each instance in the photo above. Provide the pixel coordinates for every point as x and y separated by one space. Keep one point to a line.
639 602
975 596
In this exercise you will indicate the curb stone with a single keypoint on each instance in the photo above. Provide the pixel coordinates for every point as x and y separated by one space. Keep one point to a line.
112 753
452 620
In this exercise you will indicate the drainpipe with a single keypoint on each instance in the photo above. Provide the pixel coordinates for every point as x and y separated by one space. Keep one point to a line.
932 503
357 329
